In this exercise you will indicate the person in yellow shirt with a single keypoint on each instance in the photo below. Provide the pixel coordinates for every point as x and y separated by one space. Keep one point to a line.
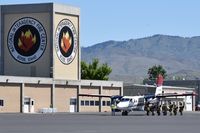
113 107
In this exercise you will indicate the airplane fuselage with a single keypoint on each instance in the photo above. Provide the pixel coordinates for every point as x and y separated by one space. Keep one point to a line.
130 103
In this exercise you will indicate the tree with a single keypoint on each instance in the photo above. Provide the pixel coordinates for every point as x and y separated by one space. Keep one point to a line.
154 71
94 71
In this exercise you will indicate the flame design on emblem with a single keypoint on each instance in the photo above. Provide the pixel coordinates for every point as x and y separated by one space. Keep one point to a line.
66 42
26 41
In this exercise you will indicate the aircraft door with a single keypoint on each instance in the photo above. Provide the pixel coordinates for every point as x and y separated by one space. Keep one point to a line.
132 102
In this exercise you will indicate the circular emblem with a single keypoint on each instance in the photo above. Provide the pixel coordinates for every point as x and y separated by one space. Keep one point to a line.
66 41
27 40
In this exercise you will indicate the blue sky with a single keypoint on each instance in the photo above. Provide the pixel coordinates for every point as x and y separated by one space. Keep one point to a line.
103 20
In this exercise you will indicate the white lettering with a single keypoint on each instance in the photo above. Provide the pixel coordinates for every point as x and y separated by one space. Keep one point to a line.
32 58
21 58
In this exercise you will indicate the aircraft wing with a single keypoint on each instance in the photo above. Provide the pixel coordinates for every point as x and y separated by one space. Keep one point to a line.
98 95
175 95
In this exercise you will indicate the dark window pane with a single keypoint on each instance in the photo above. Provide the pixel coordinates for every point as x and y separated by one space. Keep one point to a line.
96 103
72 101
82 103
108 103
1 102
86 103
104 103
91 103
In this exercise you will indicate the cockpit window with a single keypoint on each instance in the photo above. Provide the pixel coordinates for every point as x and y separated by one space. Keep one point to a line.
125 99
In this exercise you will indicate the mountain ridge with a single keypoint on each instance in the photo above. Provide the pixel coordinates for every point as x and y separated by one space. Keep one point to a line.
133 57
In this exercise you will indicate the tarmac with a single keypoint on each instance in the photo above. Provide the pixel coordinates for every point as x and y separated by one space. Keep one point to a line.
135 122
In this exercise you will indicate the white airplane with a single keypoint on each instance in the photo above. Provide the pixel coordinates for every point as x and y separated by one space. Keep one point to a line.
131 103
126 104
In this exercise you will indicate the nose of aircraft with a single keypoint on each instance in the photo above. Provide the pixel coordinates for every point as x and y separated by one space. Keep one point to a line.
123 104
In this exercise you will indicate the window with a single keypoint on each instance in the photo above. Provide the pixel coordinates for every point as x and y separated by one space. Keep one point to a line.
26 103
96 103
72 101
87 103
1 102
27 100
82 103
32 102
108 103
104 103
91 103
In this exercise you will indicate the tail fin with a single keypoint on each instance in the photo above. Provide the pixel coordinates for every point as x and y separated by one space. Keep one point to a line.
159 83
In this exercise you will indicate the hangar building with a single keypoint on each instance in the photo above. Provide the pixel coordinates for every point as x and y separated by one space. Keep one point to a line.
40 62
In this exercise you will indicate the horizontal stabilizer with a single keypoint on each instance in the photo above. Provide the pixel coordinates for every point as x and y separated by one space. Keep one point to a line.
175 95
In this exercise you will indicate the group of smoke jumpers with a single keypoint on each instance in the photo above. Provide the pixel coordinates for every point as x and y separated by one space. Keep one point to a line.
172 108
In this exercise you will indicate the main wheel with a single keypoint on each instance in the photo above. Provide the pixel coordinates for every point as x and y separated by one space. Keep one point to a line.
126 112
123 113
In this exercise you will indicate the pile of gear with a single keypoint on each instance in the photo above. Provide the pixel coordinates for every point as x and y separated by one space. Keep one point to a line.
164 108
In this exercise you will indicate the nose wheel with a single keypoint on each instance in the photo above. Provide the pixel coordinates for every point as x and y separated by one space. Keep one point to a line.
125 113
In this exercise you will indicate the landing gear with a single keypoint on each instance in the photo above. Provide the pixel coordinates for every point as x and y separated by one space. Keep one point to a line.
125 113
